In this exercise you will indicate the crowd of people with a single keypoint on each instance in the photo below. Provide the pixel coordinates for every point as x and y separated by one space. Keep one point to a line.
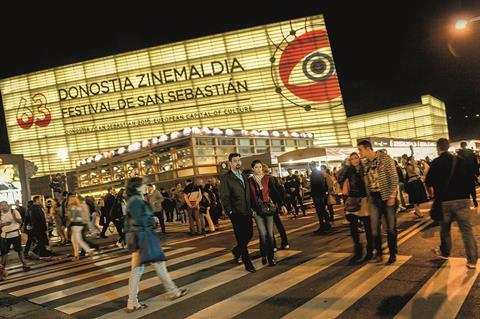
371 185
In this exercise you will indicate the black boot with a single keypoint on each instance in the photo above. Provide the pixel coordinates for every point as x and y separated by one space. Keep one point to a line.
357 254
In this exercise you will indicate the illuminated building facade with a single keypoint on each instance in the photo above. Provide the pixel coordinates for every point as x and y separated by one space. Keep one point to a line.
179 155
425 120
279 76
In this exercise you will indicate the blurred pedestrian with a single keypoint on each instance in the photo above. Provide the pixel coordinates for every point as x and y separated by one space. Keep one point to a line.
139 226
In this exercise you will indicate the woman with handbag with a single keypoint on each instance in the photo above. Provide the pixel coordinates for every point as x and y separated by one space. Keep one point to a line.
356 208
265 203
143 243
415 187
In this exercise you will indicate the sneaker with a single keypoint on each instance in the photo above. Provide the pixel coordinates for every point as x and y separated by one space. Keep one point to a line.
180 294
119 244
438 252
287 246
25 268
471 266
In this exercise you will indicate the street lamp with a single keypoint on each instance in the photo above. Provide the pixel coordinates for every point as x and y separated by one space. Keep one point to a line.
63 155
461 24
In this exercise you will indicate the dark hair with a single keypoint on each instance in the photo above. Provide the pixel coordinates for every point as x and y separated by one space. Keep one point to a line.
255 162
463 144
354 154
111 188
443 144
120 193
151 185
365 144
132 185
35 198
189 180
232 155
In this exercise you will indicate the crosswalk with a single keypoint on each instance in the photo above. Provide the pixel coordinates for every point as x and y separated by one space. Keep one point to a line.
302 285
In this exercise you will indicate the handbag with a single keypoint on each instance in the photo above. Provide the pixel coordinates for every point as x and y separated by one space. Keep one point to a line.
149 247
436 212
353 204
331 200
264 209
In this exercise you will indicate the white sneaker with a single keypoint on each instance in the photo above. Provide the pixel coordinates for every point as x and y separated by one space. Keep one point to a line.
471 266
119 245
438 252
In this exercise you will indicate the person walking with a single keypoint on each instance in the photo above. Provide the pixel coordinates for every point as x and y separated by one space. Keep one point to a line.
39 228
27 229
117 216
180 204
318 190
10 221
449 183
78 220
155 200
266 199
58 222
356 207
207 206
382 185
140 219
193 195
415 188
235 198
276 216
472 165
294 191
108 202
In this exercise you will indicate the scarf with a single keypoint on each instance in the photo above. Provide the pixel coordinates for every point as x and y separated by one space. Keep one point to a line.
258 179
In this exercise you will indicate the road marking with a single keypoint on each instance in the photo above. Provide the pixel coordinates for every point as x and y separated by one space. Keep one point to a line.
338 298
110 295
159 302
444 293
249 298
101 282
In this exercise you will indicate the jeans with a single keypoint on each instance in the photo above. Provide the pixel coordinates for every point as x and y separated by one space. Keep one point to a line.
29 243
78 242
458 210
323 218
265 232
136 274
243 229
378 208
119 226
161 220
354 219
281 230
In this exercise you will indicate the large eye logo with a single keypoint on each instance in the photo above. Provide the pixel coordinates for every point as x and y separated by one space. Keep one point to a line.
306 68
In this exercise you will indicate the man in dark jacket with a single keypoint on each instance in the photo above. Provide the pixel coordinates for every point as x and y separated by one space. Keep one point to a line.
472 166
447 176
109 201
235 198
319 188
39 228
293 190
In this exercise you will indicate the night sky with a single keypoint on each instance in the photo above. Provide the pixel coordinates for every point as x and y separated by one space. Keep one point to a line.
386 54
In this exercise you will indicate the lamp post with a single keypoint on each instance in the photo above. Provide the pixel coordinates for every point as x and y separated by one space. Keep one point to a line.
63 155
461 24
